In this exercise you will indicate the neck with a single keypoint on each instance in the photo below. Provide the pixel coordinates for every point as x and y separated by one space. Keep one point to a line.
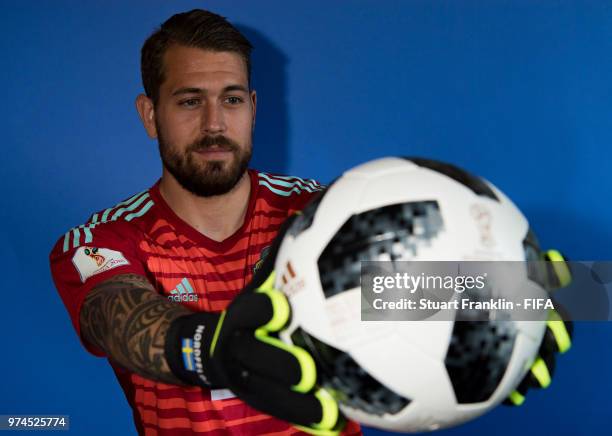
216 217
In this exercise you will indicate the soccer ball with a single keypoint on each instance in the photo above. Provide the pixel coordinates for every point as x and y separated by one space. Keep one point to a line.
405 375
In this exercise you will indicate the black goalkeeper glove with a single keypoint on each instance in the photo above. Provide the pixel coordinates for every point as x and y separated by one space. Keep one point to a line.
239 349
557 339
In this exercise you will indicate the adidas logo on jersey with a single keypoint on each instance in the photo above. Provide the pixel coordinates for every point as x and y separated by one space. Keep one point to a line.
183 292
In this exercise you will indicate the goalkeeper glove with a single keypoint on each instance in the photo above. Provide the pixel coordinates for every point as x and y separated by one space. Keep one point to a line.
557 339
240 350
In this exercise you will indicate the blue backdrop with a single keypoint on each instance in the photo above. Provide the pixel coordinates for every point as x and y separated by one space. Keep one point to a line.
519 92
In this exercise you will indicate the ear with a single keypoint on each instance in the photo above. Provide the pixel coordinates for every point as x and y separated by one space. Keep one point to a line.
254 103
146 110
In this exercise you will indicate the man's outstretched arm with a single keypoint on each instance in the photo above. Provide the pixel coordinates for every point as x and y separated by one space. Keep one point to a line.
237 349
126 318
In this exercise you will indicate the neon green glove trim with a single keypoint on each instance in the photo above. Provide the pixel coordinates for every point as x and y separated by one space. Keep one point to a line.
557 326
330 410
562 271
268 285
540 372
305 360
516 398
281 310
213 344
317 432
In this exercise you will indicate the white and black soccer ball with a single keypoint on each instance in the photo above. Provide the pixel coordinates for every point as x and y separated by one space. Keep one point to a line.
413 375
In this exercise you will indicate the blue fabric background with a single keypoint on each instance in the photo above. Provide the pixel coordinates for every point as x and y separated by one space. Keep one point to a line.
517 91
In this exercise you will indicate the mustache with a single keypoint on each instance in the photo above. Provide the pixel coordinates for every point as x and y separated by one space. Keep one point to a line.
219 141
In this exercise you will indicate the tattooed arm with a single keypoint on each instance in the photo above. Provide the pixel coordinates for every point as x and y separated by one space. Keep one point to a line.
126 318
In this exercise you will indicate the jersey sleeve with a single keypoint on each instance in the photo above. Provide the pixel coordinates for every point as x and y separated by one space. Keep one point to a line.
88 255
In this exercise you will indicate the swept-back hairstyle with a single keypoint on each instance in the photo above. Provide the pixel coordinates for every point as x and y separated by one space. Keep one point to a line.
197 28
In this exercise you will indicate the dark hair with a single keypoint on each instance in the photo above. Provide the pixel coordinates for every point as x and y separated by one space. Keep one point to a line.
196 28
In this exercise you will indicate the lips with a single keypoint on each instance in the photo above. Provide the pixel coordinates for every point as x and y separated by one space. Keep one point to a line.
207 149
214 151
214 148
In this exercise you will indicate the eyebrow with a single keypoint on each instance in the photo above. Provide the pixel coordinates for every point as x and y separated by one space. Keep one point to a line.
190 90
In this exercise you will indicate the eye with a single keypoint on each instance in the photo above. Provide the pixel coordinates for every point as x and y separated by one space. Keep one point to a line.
190 102
233 100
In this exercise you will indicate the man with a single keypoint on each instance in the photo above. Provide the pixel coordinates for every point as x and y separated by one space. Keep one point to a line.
163 283
152 283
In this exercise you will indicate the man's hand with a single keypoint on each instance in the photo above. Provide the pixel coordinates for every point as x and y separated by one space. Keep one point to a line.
557 339
239 349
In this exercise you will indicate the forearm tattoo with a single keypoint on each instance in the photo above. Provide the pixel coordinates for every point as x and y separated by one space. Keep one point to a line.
125 317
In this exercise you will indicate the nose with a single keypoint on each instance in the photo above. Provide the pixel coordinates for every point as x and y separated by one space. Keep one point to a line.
213 120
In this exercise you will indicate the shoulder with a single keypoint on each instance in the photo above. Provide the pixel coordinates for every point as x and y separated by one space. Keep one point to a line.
122 221
287 186
292 192
102 247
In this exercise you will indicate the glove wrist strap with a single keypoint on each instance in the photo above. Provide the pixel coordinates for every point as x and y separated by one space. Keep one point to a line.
187 347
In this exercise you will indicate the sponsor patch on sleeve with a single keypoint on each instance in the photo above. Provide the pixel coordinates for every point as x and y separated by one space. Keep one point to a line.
90 261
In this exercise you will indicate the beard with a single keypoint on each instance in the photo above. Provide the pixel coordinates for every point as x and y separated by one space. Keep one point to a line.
208 178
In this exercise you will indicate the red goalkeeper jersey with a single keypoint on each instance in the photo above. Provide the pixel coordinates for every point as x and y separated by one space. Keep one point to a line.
142 235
